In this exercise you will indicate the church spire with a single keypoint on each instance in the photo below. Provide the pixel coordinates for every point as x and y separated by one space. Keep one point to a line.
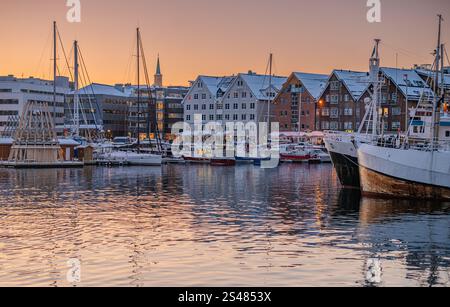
158 74
158 67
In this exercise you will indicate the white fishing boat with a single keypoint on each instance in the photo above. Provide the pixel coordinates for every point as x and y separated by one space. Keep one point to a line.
412 167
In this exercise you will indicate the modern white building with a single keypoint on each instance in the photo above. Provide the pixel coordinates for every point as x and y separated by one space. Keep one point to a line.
16 92
242 98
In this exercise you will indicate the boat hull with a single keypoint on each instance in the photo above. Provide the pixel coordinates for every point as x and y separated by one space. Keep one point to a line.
197 160
223 162
347 169
379 185
295 158
390 172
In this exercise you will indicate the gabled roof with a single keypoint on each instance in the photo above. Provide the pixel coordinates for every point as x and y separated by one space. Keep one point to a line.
415 88
356 82
314 83
259 84
213 84
100 89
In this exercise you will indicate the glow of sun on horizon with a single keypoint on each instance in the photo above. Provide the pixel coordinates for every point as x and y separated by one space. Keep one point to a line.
216 38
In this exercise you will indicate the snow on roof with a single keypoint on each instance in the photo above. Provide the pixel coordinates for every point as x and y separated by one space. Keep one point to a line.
68 142
6 141
215 83
408 81
431 74
314 83
259 84
356 82
101 89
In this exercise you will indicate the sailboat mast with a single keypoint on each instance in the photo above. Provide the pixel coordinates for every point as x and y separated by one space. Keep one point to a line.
54 70
138 89
270 90
436 114
76 113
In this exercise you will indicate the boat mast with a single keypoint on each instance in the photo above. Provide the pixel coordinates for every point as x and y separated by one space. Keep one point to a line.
54 70
436 114
374 76
270 91
76 113
138 90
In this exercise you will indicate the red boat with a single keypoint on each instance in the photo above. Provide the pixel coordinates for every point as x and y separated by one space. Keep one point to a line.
223 162
197 160
296 158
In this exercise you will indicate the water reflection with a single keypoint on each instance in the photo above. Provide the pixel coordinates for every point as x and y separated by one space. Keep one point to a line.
197 225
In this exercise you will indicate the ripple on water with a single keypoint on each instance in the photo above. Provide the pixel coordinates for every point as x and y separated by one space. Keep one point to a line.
197 225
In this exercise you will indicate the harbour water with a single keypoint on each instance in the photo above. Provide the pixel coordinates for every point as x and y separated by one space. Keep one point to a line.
197 225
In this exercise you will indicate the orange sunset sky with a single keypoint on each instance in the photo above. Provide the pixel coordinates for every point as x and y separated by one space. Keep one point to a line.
219 37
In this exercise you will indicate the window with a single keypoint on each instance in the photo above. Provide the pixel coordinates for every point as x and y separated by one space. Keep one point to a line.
188 117
244 117
195 107
235 117
236 95
203 96
219 117
196 96
219 106
244 106
252 117
203 117
227 116
346 98
327 98
211 117
334 113
252 106
325 125
396 125
240 83
447 134
211 107
335 85
334 99
200 84
203 106
396 111
348 126
244 94
334 125
325 112
235 106
227 106
188 107
348 111
394 97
